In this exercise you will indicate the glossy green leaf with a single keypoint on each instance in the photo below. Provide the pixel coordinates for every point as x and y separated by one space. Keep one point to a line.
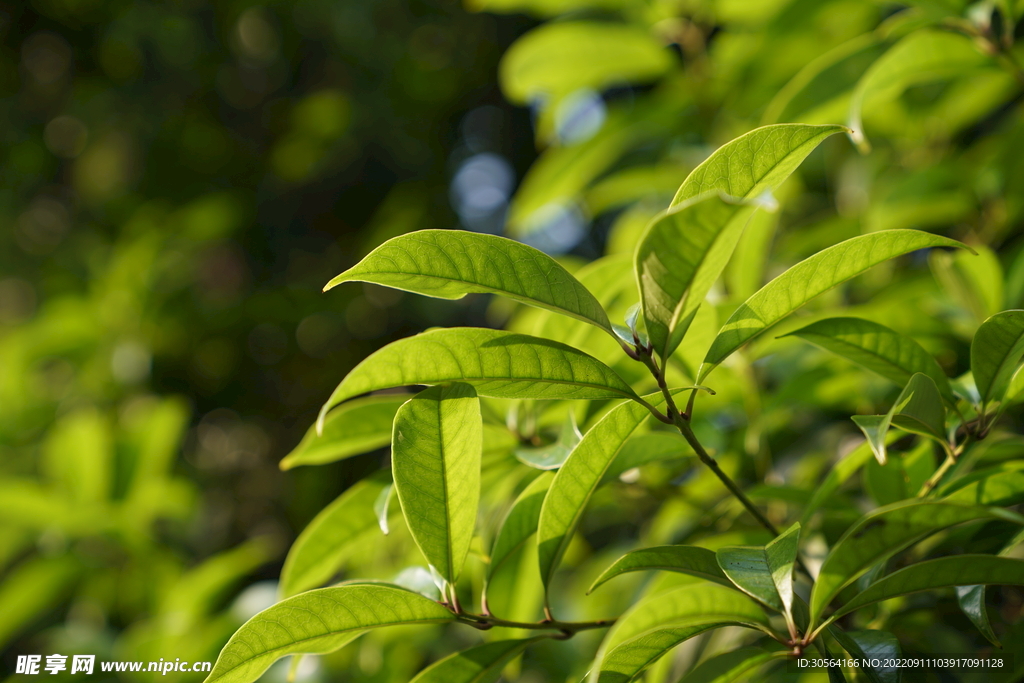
356 427
559 58
498 364
579 477
996 352
917 409
944 572
552 456
382 506
521 521
317 622
808 279
480 664
782 555
877 348
1002 486
755 162
885 532
631 658
871 646
320 550
972 604
448 264
747 567
685 559
435 458
924 55
738 665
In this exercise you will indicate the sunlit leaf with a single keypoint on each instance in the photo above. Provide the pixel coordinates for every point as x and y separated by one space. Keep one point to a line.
747 567
878 348
885 532
520 523
435 458
808 279
319 551
996 352
642 449
686 559
917 409
498 364
732 666
552 456
382 507
317 622
631 658
448 264
356 427
975 281
1002 485
480 664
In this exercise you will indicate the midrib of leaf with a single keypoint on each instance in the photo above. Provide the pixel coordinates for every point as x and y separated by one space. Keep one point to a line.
444 488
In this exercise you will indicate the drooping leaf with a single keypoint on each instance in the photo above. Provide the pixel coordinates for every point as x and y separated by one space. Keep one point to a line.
885 532
996 352
732 666
480 664
448 264
972 604
631 658
944 572
808 279
924 55
552 456
356 427
878 348
317 622
520 523
498 364
917 409
579 477
872 646
686 559
320 549
755 162
435 457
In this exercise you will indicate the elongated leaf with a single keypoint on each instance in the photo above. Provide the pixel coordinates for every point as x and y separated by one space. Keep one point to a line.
755 162
918 409
972 604
747 567
435 457
944 572
878 348
579 477
871 646
317 622
521 521
319 551
480 664
498 364
627 661
782 554
924 55
382 506
686 559
353 428
996 352
1003 485
448 264
642 449
837 476
732 666
885 532
808 279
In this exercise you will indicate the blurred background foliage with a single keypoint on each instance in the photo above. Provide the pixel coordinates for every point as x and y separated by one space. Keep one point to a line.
179 180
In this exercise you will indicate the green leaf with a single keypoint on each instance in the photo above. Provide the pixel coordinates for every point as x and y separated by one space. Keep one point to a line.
520 523
435 458
885 532
747 567
782 555
32 589
381 505
579 477
974 280
837 476
556 59
918 409
732 666
944 572
630 659
877 348
924 55
552 456
448 264
685 559
78 455
996 352
356 427
320 550
871 645
480 664
317 622
755 162
902 476
808 279
972 603
641 449
498 364
1002 486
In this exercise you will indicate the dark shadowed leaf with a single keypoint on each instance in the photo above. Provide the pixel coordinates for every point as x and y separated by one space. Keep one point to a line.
996 352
